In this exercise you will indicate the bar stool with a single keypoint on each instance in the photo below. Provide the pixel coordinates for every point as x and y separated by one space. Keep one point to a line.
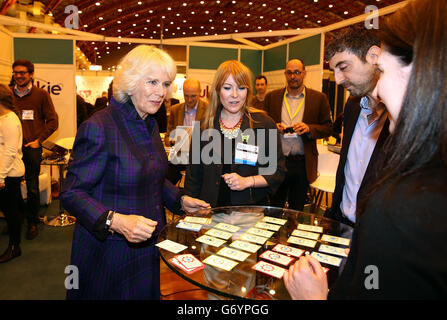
325 183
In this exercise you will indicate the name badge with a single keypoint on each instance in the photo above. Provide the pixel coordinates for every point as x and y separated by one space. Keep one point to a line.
246 154
28 115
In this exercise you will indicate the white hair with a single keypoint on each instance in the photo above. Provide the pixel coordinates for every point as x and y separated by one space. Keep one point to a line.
135 65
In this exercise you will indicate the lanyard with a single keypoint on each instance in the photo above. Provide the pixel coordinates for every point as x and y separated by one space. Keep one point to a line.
299 107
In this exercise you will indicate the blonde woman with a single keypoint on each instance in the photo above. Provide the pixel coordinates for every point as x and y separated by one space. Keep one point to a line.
116 186
243 141
12 170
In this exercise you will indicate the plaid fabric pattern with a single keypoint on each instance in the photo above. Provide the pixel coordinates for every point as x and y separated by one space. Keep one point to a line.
108 174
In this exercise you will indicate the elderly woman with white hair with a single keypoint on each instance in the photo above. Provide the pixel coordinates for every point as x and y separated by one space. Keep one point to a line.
116 186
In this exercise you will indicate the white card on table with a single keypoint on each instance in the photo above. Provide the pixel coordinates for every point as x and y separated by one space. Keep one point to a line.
198 220
227 227
325 258
253 238
233 254
305 234
260 232
246 246
274 220
171 246
215 242
276 257
288 250
269 269
267 226
219 262
333 250
302 241
334 239
219 234
189 226
307 227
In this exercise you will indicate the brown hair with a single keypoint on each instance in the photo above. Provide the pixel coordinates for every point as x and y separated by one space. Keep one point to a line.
243 78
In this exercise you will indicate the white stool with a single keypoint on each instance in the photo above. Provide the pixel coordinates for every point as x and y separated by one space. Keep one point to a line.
325 183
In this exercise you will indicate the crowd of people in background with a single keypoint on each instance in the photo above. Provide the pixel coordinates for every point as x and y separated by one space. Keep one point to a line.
390 183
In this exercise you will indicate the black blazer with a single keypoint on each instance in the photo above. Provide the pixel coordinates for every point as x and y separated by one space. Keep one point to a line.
351 114
203 180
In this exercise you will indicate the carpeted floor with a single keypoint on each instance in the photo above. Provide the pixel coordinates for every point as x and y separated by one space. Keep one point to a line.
38 274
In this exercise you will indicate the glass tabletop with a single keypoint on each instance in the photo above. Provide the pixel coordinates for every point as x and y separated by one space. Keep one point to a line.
279 237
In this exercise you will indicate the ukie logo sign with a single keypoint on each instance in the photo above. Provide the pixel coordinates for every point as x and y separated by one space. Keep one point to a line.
52 89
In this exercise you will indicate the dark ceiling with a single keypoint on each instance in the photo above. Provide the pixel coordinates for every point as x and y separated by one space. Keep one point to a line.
145 19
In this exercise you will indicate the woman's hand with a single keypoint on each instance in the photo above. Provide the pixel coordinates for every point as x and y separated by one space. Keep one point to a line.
134 228
237 183
2 185
306 280
190 204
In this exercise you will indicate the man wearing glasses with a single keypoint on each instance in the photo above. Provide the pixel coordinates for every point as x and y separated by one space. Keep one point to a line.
302 115
39 120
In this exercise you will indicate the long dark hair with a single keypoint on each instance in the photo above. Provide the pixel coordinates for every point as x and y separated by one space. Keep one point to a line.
417 34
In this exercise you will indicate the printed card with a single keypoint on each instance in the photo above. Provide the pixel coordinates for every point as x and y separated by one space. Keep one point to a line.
215 242
189 226
219 234
281 222
227 227
175 262
305 234
288 250
302 241
189 261
269 269
277 257
334 239
307 227
253 238
325 258
198 220
332 250
246 246
220 262
233 254
260 232
267 226
171 246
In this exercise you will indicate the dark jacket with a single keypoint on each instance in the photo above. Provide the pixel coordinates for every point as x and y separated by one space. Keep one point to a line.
351 114
317 115
203 180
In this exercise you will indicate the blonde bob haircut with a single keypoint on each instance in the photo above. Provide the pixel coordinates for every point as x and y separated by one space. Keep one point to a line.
243 78
137 64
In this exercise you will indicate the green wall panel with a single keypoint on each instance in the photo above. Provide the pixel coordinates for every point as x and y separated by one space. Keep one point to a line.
275 58
209 58
49 51
307 50
253 60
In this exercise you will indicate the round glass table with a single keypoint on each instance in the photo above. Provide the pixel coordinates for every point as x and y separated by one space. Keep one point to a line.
257 243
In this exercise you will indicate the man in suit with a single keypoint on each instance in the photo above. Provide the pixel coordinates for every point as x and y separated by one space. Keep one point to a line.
184 114
302 115
353 56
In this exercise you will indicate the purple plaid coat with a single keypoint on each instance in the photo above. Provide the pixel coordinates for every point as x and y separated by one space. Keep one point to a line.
108 173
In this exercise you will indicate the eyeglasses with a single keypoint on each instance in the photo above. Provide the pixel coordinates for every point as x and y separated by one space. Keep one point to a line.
19 73
296 73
